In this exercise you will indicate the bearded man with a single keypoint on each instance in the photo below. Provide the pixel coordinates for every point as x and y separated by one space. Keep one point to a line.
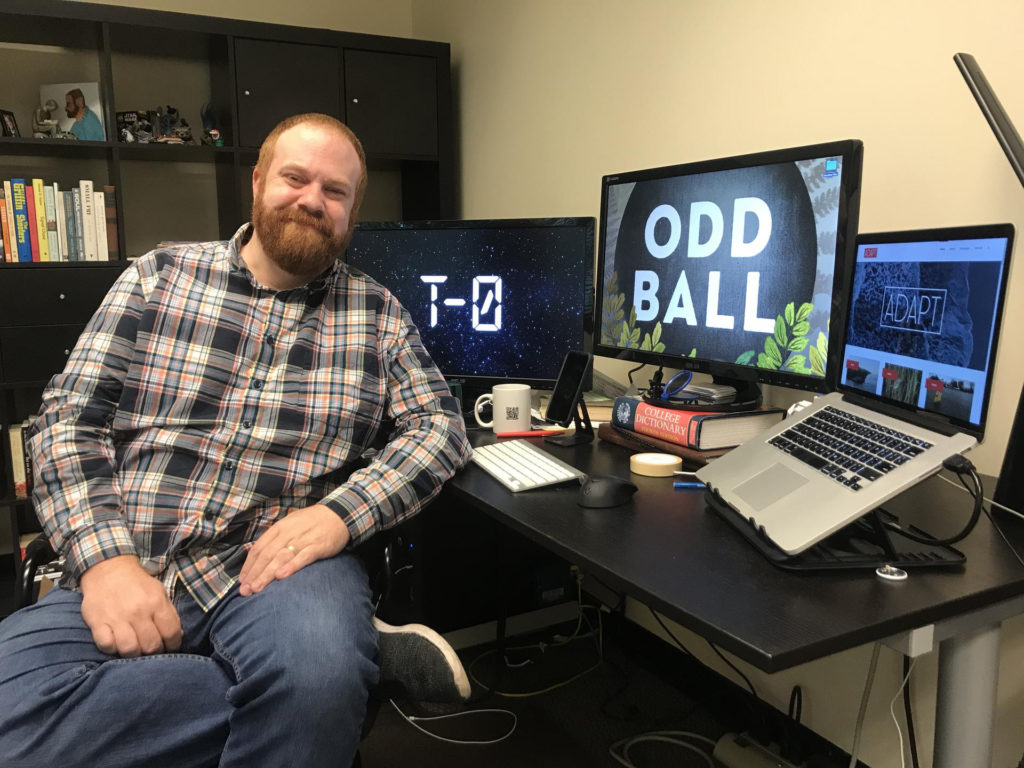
86 125
199 466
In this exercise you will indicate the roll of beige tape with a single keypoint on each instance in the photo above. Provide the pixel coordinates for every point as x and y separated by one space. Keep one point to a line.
654 464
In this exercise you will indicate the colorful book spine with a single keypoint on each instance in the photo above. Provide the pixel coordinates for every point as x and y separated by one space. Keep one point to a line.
12 239
15 440
690 428
53 240
39 198
21 221
76 207
88 220
110 213
62 227
30 216
5 238
99 206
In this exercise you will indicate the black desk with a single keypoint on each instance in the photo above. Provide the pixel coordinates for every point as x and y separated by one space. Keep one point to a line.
667 551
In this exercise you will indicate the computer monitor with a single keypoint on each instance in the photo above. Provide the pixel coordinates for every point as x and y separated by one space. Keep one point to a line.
498 300
731 267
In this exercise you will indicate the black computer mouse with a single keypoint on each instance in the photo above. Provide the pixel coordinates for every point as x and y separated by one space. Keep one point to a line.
600 491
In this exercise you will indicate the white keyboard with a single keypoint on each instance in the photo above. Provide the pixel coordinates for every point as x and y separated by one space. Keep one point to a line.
520 465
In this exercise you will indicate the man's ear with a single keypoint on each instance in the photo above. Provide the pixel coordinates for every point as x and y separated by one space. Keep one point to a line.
255 182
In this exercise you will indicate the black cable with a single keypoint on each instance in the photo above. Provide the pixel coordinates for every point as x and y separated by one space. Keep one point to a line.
629 374
735 669
963 467
668 631
910 715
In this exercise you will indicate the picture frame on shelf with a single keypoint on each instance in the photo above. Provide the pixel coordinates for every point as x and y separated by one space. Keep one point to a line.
79 109
8 123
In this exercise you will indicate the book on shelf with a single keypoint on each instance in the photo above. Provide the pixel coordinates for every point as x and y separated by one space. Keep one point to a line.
39 196
110 213
30 213
5 241
638 443
73 222
99 207
701 430
50 206
21 464
9 195
61 219
21 227
88 219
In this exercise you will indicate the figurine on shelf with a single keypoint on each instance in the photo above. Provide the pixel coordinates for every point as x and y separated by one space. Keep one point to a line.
45 125
211 135
173 128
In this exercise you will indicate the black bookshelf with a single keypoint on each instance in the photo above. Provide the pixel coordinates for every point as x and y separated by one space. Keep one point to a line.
394 92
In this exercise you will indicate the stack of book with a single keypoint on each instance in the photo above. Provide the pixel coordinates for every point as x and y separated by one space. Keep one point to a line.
693 435
39 221
21 465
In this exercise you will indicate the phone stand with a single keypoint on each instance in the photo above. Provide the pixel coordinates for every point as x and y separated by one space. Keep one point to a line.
584 429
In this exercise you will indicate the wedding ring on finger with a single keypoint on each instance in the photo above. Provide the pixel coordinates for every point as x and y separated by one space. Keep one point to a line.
291 548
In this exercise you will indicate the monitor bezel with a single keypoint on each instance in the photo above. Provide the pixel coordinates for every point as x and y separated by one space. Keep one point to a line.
852 152
478 383
937 421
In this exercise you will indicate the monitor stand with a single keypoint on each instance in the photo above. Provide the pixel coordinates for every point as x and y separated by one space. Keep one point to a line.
584 429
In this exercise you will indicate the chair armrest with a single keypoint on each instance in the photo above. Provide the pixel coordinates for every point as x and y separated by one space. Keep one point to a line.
38 552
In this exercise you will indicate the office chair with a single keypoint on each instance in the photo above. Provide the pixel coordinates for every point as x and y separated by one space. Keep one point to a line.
383 561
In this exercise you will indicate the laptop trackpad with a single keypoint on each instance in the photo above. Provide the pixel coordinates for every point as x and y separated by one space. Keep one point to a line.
770 485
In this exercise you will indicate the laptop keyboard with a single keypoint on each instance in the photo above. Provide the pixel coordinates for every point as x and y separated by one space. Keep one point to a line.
520 465
850 449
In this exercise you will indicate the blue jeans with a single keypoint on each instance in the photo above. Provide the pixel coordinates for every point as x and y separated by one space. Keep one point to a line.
280 678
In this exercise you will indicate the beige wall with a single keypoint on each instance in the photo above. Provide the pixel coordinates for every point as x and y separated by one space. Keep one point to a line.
552 94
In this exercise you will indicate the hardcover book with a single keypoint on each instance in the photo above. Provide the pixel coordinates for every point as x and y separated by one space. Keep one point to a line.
110 213
30 222
39 196
88 220
700 430
53 240
12 235
21 227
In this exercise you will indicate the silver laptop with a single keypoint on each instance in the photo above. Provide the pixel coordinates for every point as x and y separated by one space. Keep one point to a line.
922 319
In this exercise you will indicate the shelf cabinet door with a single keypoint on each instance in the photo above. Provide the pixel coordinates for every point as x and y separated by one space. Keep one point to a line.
391 102
36 295
275 80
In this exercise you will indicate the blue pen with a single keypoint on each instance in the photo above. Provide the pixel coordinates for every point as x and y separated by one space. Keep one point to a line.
687 485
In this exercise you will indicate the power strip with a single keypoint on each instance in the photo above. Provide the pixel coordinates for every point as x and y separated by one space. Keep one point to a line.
734 750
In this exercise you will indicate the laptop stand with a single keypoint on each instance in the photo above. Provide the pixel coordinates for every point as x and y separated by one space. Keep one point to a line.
867 542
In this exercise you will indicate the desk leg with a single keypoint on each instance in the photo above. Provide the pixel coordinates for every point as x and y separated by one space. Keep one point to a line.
966 699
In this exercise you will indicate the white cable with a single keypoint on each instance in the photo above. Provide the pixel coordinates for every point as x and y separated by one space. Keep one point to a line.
989 501
414 722
863 706
892 712
624 745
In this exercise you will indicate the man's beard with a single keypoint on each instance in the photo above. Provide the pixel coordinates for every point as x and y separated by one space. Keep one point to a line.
296 248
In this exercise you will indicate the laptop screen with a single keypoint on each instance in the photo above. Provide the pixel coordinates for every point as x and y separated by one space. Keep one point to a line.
923 320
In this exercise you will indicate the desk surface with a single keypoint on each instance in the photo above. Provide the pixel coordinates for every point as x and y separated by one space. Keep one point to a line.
667 550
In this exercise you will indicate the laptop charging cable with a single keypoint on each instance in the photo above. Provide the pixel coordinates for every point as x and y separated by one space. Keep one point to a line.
962 467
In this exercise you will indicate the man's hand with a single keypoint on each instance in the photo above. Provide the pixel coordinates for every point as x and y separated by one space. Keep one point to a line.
127 609
302 537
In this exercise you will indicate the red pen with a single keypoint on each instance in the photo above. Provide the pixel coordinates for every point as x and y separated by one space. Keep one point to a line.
531 433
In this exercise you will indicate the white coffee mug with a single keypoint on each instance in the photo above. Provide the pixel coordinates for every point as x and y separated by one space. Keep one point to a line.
510 404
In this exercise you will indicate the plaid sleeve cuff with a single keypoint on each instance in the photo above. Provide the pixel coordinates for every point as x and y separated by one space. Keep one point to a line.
104 540
354 512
